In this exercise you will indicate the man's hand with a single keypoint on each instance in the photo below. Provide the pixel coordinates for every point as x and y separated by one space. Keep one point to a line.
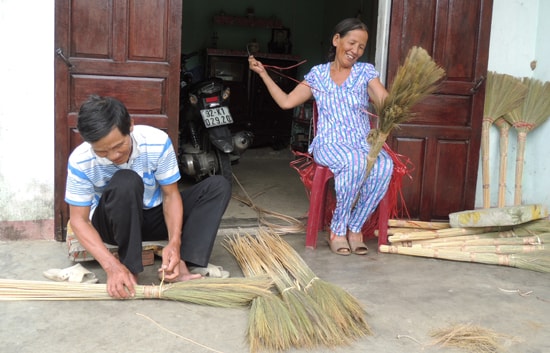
170 262
120 282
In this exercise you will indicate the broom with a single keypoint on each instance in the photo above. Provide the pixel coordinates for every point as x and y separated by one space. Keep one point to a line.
536 261
525 229
416 79
503 93
227 292
534 111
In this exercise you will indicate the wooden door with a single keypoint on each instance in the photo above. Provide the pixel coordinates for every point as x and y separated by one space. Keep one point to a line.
443 140
129 49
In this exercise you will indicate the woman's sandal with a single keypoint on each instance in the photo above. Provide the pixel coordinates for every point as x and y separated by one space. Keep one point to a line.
358 247
339 246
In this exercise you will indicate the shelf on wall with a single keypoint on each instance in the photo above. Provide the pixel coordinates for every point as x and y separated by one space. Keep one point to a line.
246 21
259 55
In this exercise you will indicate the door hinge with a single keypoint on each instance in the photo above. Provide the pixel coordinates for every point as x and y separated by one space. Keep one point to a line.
59 52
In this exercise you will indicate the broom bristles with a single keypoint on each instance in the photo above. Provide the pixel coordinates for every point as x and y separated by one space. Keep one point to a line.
473 339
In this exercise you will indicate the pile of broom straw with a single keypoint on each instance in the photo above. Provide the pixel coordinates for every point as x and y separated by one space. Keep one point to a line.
521 246
303 311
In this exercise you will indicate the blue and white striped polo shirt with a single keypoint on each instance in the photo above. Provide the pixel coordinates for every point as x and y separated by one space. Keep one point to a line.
342 109
153 158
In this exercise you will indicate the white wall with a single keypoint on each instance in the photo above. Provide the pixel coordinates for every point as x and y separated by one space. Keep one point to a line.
26 110
519 36
27 101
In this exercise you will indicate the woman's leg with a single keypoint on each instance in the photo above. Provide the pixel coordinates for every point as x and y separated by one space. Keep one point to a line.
372 192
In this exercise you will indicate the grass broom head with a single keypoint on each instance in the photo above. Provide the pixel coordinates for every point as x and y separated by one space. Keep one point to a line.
535 108
417 78
503 93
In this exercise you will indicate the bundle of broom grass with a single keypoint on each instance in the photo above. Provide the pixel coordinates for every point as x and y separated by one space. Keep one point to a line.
227 292
521 246
306 310
503 93
416 79
534 111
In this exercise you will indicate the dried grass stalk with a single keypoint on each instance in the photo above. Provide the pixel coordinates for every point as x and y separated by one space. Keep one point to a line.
471 338
503 93
227 292
533 112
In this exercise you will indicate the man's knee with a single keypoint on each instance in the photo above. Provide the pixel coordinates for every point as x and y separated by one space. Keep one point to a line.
126 179
220 184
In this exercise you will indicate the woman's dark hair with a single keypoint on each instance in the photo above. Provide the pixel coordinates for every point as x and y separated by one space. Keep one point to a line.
342 28
99 115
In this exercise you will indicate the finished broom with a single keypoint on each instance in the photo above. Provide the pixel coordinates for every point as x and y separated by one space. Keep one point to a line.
226 292
503 93
416 79
534 111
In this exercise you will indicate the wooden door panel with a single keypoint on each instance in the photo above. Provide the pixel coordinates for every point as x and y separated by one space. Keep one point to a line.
128 49
447 124
415 150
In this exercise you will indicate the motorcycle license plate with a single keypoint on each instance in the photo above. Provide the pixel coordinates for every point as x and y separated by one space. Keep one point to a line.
216 116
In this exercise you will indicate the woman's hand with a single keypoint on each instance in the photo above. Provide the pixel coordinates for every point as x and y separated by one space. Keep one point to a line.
255 65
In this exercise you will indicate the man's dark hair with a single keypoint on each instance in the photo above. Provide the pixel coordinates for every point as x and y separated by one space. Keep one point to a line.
99 115
342 28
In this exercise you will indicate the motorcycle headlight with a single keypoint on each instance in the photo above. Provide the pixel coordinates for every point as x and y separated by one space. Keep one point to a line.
226 92
193 99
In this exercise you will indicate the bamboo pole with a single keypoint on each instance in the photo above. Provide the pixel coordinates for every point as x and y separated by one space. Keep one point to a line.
440 233
417 224
504 129
533 261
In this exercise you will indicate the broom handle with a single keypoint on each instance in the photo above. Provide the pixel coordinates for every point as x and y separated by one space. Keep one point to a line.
487 122
522 137
417 224
504 127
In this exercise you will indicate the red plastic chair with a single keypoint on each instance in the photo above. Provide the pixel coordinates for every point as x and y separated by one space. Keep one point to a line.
318 203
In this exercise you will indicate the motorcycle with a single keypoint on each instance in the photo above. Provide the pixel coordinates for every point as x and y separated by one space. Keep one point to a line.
207 146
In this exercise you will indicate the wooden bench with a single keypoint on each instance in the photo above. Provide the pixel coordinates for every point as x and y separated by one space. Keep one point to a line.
78 253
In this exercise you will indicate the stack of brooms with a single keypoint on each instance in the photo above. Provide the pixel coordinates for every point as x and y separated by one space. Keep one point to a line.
521 245
303 311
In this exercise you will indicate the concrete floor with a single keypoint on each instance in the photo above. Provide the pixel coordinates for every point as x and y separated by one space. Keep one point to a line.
405 297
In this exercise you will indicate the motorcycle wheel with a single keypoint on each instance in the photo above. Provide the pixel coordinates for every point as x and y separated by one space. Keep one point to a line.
223 161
